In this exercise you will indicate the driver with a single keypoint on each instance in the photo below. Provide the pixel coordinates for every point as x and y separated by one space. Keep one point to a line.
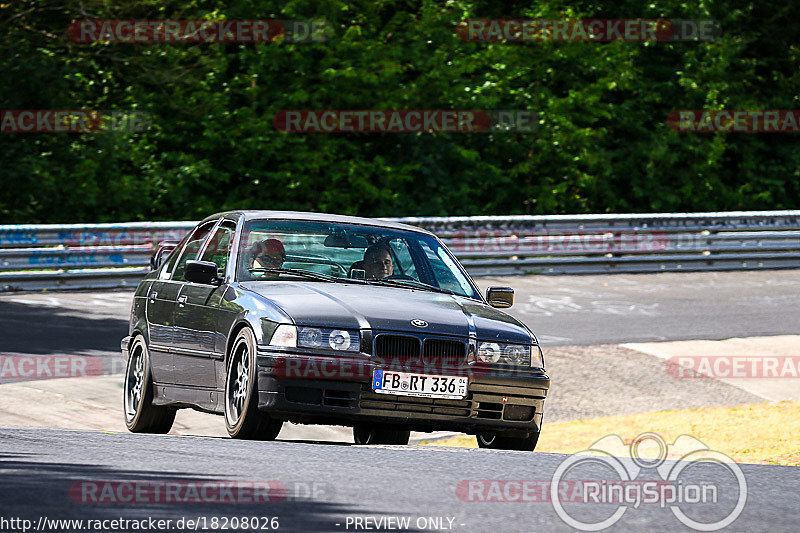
267 254
378 262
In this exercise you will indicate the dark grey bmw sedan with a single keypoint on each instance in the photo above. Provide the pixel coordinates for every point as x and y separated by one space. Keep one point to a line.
267 317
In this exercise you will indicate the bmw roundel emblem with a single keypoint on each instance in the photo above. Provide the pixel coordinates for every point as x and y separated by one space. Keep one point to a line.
419 323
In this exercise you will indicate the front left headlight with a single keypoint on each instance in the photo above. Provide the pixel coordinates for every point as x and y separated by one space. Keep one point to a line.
509 354
341 340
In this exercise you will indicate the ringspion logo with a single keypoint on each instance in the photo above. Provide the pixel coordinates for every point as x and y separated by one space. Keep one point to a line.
609 473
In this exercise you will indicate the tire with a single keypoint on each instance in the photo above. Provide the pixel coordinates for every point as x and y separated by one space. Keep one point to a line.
243 420
379 434
141 416
497 441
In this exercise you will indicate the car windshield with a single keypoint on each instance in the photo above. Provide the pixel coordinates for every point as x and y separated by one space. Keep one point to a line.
278 249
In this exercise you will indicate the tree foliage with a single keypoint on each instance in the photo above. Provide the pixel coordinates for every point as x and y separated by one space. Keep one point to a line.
602 144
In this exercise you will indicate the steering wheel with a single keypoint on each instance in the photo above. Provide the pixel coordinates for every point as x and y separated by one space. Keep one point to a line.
400 276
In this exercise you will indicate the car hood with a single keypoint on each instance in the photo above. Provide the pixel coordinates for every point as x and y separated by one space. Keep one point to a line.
388 309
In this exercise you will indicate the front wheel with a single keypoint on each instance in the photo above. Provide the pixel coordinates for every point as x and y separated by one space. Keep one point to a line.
141 416
243 420
497 441
378 434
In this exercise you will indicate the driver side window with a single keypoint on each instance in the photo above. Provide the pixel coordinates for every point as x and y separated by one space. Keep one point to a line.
190 250
219 246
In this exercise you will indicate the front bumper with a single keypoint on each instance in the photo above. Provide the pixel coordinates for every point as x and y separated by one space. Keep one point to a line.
339 392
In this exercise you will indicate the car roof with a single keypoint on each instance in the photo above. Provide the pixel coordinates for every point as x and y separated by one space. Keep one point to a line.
318 217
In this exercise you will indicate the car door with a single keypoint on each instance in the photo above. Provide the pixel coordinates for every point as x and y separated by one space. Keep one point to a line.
160 314
196 316
162 301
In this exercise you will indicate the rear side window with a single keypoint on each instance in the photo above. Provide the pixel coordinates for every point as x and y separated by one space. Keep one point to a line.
169 264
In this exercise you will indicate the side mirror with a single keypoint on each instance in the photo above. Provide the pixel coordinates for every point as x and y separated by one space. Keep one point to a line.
162 252
204 272
500 297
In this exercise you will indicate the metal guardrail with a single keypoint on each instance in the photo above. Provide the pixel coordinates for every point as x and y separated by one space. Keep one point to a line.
80 256
84 256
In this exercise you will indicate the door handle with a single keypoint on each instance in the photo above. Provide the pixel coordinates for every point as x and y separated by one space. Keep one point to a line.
153 296
181 301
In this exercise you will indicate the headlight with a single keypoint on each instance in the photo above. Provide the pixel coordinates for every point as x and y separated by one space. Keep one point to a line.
341 340
504 354
285 335
489 352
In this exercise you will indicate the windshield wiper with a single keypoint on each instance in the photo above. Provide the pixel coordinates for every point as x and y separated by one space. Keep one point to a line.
412 283
301 273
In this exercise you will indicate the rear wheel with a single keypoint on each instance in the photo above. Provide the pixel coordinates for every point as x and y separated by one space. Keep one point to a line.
243 420
380 434
497 441
141 416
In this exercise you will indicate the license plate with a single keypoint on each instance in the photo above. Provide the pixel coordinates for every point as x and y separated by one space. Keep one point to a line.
424 385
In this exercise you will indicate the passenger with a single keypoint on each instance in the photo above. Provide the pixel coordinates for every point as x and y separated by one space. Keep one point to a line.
267 254
378 262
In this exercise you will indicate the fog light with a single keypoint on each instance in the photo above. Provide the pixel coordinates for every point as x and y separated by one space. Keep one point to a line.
518 413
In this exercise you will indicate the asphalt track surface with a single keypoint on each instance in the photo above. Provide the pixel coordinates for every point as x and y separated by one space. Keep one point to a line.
561 310
45 475
619 308
329 483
